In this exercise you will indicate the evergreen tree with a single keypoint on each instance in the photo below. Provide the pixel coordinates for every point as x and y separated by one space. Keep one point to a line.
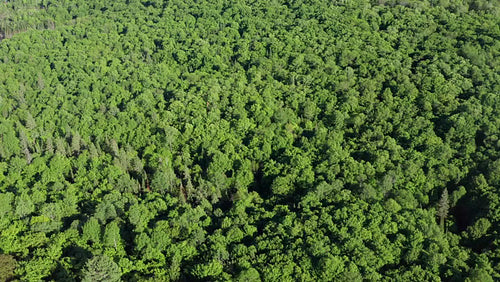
101 268
7 267
443 208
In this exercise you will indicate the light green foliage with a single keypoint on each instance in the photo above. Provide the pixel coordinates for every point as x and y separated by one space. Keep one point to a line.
478 275
92 230
250 140
210 269
479 228
24 205
112 235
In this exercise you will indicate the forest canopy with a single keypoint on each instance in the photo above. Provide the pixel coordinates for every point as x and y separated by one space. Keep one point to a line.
255 140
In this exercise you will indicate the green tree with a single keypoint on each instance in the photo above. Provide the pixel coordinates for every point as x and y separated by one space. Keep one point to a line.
479 228
479 275
101 268
443 208
248 275
24 205
92 230
7 267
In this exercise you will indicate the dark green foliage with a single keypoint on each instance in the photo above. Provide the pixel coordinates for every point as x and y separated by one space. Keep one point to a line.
250 140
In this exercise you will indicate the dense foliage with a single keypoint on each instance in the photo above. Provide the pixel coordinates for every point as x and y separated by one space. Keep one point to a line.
250 140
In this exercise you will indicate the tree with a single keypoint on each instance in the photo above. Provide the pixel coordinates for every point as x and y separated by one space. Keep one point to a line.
76 141
92 230
7 267
25 147
112 236
443 208
479 229
479 275
101 268
24 205
248 275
